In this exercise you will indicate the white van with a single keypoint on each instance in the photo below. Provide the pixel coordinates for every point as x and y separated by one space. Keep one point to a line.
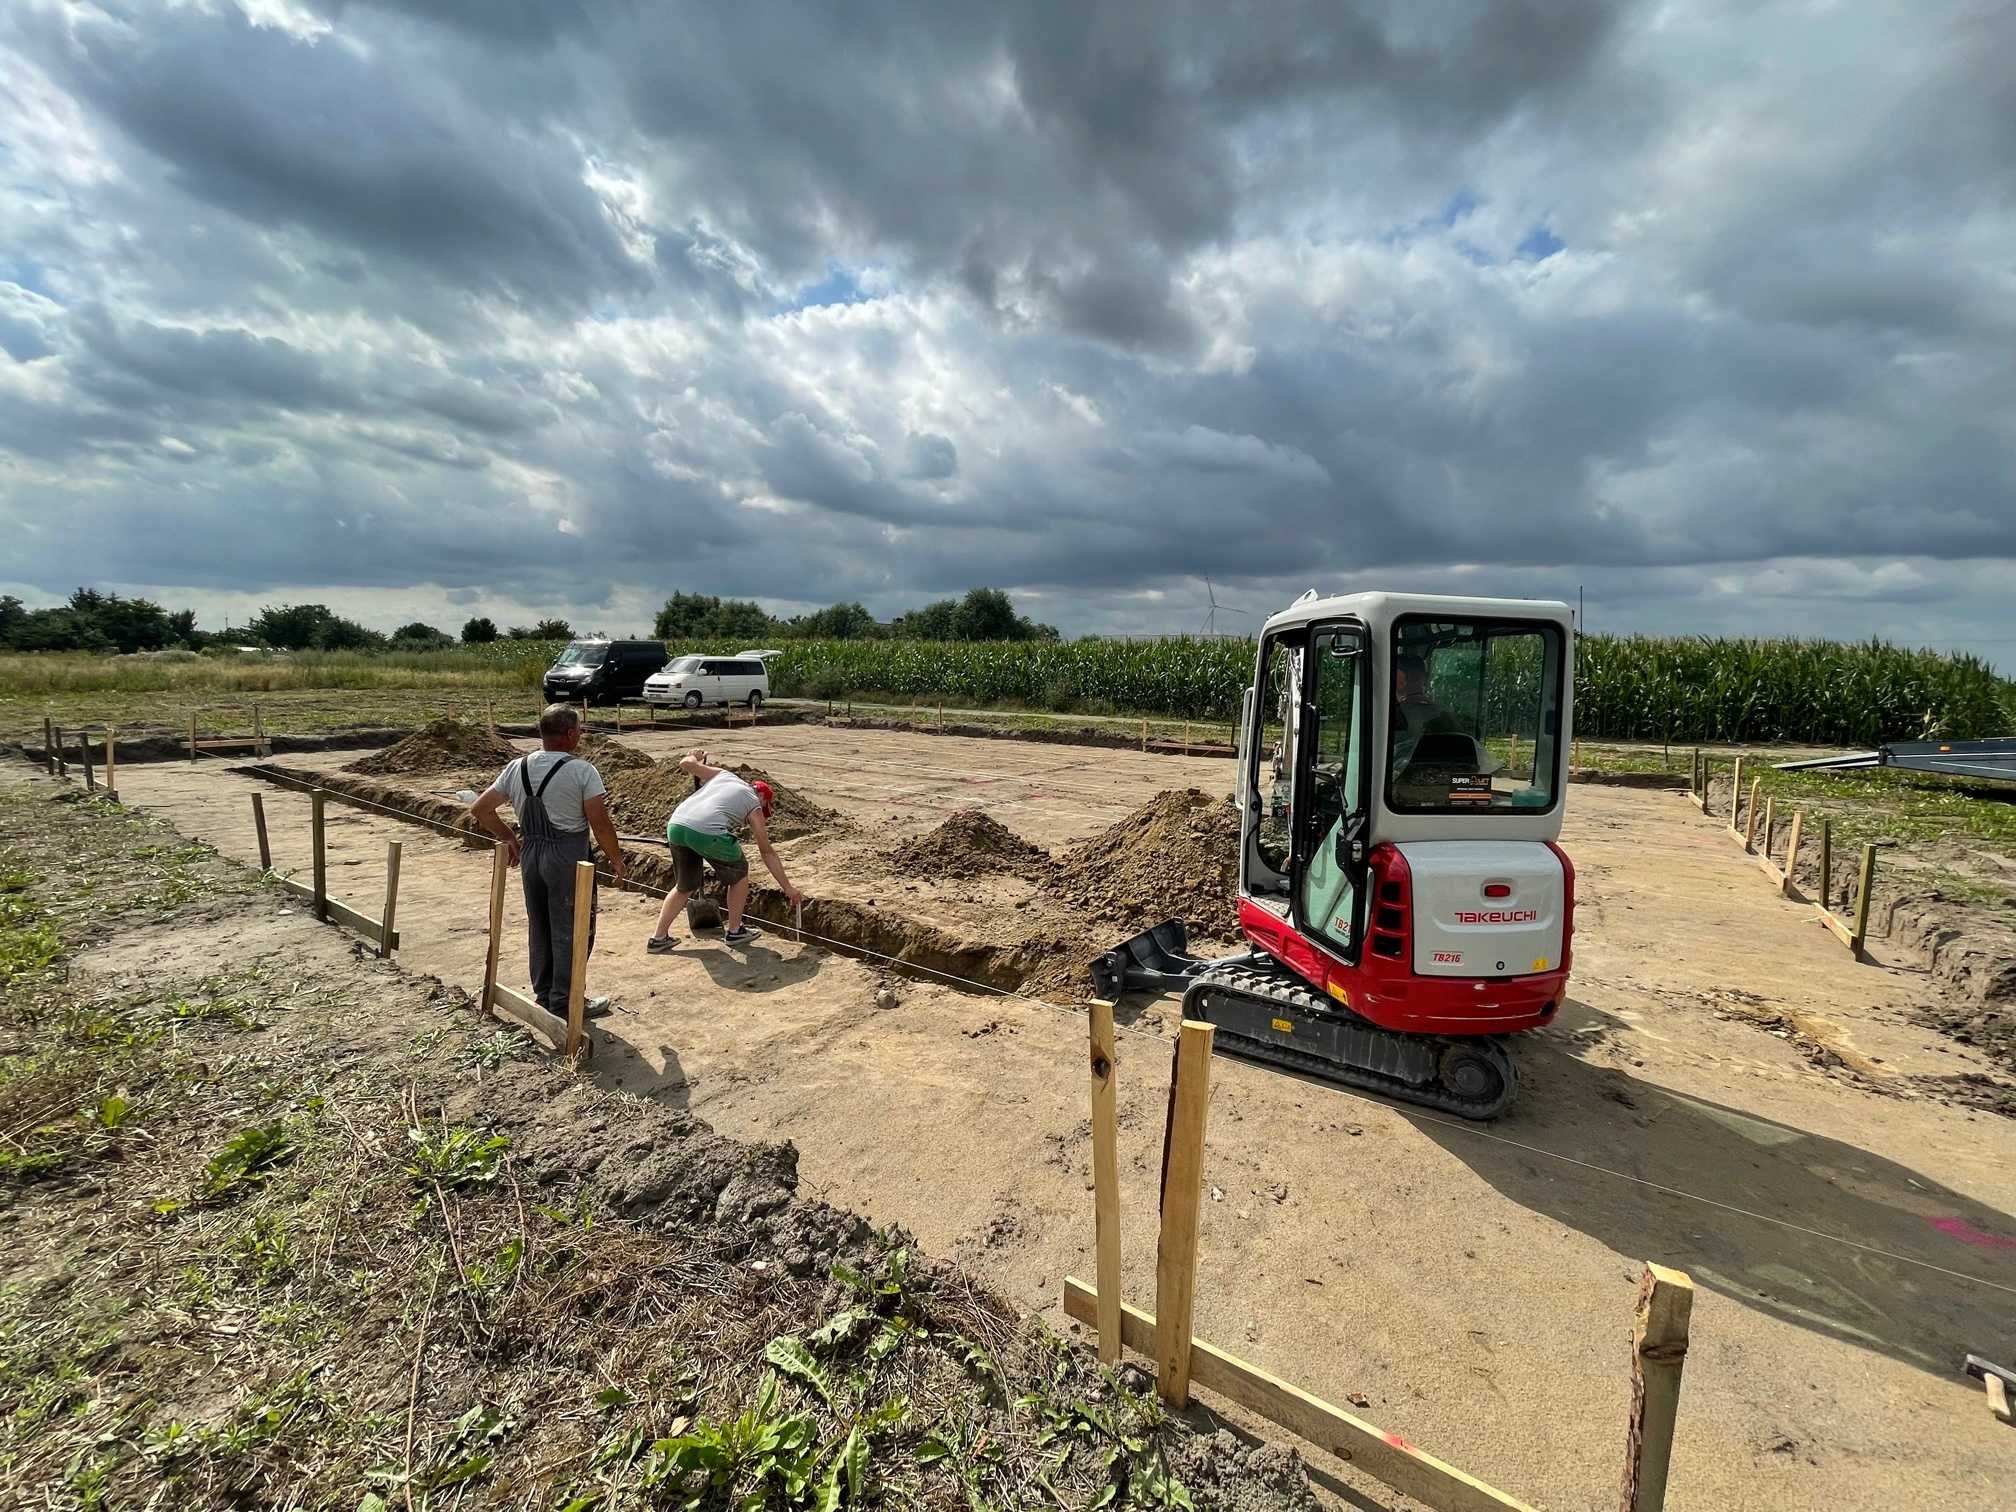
695 681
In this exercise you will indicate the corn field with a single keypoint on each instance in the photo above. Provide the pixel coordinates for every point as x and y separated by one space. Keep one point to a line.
1626 687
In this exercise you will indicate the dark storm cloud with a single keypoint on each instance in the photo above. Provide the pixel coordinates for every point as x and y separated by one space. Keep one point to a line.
387 160
505 298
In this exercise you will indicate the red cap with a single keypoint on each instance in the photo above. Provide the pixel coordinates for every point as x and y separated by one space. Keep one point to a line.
769 798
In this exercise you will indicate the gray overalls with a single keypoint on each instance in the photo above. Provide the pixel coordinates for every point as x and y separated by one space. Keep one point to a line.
548 861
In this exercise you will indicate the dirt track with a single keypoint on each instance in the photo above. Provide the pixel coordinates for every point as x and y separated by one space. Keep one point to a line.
1475 1290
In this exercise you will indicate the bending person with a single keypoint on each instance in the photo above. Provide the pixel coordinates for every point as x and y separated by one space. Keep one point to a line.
703 833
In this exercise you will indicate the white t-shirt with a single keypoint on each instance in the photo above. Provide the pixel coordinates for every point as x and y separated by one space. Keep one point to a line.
578 781
721 807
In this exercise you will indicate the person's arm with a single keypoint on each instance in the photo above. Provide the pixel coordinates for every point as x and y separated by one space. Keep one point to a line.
597 810
484 812
759 831
696 766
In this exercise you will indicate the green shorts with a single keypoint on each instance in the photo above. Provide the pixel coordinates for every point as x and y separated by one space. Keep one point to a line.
692 851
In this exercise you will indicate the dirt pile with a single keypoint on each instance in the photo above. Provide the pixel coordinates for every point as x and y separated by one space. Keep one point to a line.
611 756
446 745
642 799
1175 857
970 844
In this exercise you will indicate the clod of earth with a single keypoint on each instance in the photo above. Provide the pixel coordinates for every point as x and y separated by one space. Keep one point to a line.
446 745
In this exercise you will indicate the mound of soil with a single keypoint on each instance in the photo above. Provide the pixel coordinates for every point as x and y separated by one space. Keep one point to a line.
611 756
446 745
642 799
1175 857
970 844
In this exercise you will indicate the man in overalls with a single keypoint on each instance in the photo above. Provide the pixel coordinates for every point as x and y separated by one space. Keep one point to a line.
558 798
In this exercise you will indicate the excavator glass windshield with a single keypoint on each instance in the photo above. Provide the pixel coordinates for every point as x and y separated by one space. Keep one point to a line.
1475 724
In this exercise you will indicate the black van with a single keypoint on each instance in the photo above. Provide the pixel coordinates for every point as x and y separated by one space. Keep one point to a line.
603 671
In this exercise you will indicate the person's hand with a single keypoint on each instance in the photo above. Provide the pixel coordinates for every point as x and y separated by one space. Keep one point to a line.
792 892
616 866
511 850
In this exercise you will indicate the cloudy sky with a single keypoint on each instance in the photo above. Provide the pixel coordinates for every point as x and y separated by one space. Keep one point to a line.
554 306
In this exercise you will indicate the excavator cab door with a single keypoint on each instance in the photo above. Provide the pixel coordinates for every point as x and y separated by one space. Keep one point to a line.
1304 794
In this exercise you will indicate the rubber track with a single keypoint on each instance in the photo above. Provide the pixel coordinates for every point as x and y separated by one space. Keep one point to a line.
1277 989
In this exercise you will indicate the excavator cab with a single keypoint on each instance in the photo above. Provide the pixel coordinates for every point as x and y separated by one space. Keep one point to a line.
1400 782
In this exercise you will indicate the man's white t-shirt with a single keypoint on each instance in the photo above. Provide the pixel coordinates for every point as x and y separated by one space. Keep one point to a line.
721 806
578 781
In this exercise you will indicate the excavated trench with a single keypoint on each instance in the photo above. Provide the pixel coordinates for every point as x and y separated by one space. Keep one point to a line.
872 933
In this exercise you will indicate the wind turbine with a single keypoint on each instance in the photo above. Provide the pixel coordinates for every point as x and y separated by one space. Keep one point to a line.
1211 619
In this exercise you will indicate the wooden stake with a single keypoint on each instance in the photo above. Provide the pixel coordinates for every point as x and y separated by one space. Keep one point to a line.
1863 887
1144 737
1658 1351
500 867
84 750
319 838
392 849
49 744
1186 739
1770 822
1750 827
1826 862
1182 1195
1735 793
192 737
62 761
577 983
112 762
259 824
1791 887
1106 1182
264 746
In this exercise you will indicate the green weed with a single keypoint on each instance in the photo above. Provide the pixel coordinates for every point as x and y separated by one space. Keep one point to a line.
251 1155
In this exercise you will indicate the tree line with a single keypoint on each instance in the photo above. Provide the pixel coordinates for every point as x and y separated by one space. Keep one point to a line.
92 620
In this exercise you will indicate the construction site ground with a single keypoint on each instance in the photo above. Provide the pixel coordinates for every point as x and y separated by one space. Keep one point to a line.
1721 1057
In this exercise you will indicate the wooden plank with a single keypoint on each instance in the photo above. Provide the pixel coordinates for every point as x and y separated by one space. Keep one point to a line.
1658 1352
1386 1456
1182 1198
521 1010
1998 1396
1750 827
500 865
259 824
318 837
1106 1181
389 938
341 913
577 980
1835 927
1735 795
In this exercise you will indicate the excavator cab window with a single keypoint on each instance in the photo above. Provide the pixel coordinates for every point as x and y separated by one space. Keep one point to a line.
1476 716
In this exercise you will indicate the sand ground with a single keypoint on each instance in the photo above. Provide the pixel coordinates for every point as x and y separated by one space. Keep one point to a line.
1473 1287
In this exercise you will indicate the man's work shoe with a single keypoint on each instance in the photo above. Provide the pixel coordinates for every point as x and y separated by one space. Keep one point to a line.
662 944
741 936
